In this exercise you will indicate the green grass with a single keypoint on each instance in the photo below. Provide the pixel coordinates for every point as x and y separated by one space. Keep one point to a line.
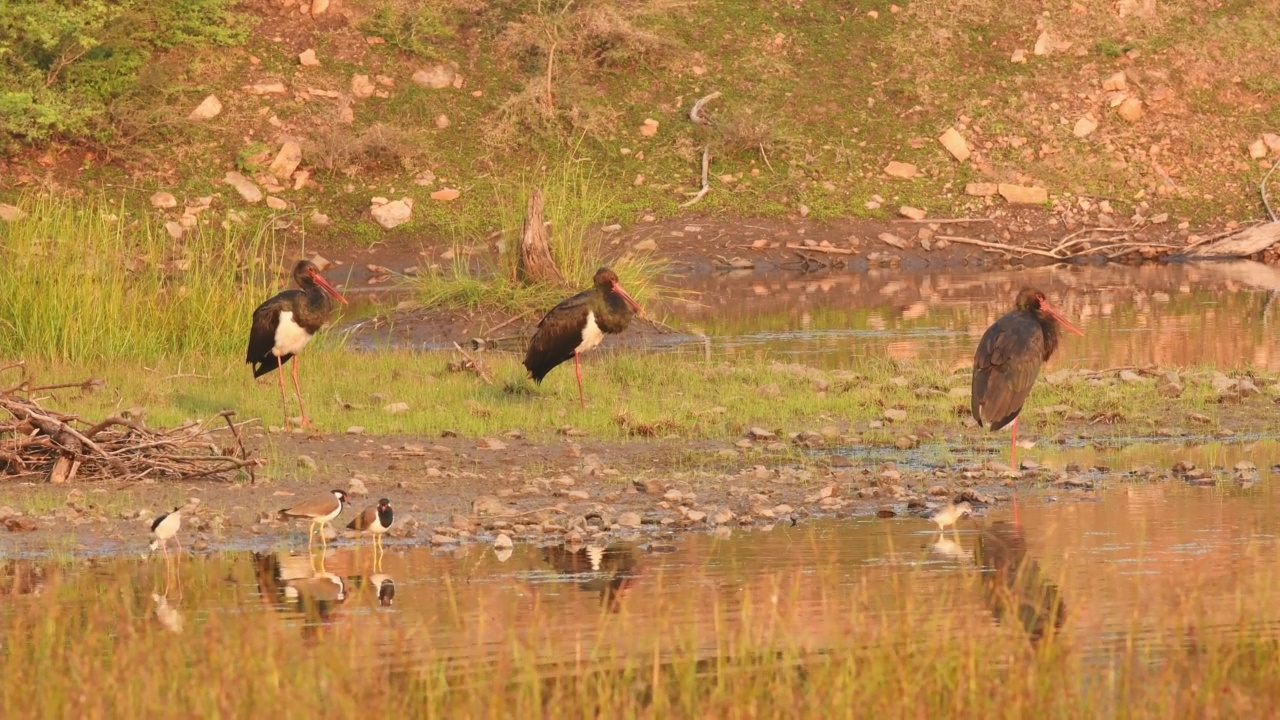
85 281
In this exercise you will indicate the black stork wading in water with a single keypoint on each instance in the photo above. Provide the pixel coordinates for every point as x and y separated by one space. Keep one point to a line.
283 325
578 324
1008 361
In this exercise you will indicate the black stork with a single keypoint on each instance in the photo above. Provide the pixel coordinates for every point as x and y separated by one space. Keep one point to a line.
1008 361
579 324
283 325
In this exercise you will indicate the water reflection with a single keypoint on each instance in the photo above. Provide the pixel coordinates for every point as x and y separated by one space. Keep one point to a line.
1014 586
21 577
611 571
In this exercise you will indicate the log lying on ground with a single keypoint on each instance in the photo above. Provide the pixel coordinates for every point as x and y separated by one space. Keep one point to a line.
1244 243
38 442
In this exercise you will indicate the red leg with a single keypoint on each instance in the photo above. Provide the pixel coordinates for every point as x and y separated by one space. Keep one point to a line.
1014 453
577 369
284 405
297 391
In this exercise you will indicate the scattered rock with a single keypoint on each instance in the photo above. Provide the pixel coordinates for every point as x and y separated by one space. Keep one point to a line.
1171 390
649 128
1130 110
244 186
11 213
437 77
895 415
1085 126
163 200
893 240
1273 142
307 58
650 486
906 171
1116 83
1044 44
647 245
629 520
1130 376
1023 195
758 433
19 524
1019 56
1257 149
355 430
306 462
695 516
208 108
439 540
490 444
392 214
487 506
911 213
503 542
275 88
318 7
175 229
361 87
396 408
276 203
442 121
446 194
981 189
954 142
287 160
355 486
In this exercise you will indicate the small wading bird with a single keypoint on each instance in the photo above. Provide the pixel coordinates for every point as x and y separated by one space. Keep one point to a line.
375 521
579 324
947 515
283 325
1008 362
165 528
319 510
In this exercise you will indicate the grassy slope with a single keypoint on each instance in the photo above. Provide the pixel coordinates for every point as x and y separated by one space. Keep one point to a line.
816 99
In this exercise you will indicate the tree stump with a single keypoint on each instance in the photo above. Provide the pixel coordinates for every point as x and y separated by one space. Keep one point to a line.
536 264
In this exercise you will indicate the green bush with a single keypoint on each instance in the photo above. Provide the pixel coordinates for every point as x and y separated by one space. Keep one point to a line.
65 64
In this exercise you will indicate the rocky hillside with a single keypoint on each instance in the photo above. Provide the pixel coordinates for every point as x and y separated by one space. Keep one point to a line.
362 120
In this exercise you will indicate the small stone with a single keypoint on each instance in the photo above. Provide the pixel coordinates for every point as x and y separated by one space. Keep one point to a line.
442 121
1171 390
647 245
650 486
578 495
629 520
437 77
1085 126
695 516
1044 44
1023 195
392 214
1257 149
758 433
1130 110
355 486
446 194
1116 83
804 210
244 186
163 200
175 229
396 408
275 88
1130 376
361 87
286 160
954 142
318 7
208 108
981 189
1019 56
911 213
722 516
906 171
1273 142
306 462
439 540
320 219
276 203
487 505
307 58
649 128
895 415
355 430
503 542
490 444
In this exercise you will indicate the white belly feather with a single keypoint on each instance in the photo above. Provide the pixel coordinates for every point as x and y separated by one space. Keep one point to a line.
591 334
290 336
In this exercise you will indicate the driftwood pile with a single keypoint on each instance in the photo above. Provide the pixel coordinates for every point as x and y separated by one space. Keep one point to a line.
39 443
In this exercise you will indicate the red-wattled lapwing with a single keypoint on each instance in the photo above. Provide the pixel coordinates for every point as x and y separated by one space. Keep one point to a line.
375 520
165 528
1008 362
579 324
283 325
319 510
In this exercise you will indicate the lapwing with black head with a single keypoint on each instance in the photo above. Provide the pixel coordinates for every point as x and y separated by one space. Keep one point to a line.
319 511
283 325
579 324
1008 361
375 521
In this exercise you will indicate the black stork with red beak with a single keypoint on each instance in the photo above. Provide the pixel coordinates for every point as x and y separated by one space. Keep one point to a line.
283 325
578 324
1008 361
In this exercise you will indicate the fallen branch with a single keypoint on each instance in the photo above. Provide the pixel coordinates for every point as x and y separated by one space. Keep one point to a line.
504 323
945 221
829 250
695 113
475 364
1010 249
706 184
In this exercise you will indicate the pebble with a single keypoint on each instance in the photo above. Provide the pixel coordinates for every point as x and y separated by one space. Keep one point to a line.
306 462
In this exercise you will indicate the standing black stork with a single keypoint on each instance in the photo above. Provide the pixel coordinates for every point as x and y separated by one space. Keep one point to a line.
578 324
283 325
1008 361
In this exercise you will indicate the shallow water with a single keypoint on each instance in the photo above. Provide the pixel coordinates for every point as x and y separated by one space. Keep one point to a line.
1099 570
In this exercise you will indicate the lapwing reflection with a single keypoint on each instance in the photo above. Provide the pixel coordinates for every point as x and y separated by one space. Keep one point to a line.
611 571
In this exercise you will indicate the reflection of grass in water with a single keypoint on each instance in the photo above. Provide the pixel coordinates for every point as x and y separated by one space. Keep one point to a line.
898 639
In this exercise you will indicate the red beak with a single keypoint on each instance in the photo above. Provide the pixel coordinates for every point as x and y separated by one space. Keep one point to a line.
617 287
324 285
1058 316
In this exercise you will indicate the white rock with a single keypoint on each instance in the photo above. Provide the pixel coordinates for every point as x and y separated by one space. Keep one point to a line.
1085 126
446 194
318 7
208 108
163 200
954 142
437 77
902 170
1130 110
393 213
275 88
503 542
175 229
244 186
649 128
287 160
1023 195
355 486
442 121
646 245
320 219
276 203
981 189
1019 56
307 58
1257 149
361 87
1273 142
911 213
1116 83
1044 44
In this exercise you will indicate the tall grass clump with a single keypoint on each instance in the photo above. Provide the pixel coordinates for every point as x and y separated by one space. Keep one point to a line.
577 203
86 281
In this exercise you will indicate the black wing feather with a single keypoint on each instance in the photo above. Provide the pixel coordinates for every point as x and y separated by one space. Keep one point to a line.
1005 367
558 333
262 336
